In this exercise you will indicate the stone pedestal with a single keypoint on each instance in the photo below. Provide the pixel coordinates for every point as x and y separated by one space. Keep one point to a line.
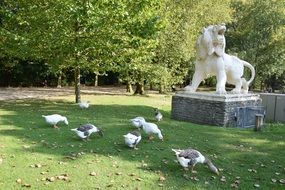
210 108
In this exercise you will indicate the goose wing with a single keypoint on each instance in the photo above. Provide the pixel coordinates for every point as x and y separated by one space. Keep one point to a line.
189 154
85 127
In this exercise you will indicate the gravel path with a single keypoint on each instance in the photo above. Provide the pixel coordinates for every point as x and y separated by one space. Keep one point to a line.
24 93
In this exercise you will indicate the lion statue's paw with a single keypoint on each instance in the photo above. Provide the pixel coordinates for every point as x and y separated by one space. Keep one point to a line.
236 91
221 91
189 88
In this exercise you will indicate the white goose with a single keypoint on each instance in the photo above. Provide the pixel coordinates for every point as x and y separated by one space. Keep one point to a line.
158 116
84 105
135 121
190 157
150 129
132 139
84 131
54 119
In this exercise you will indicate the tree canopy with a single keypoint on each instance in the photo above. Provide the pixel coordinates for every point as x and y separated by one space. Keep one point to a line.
145 42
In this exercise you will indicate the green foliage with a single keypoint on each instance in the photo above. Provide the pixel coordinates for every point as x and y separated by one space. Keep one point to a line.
137 39
257 35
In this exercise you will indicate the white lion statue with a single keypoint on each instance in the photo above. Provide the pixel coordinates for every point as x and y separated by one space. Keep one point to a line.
212 60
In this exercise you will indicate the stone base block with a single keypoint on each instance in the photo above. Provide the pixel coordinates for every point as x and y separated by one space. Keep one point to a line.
210 108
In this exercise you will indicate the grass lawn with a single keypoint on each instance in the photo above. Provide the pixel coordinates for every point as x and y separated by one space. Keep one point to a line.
36 156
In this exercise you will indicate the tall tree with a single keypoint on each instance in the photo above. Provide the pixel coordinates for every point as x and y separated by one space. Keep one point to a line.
257 35
63 33
140 26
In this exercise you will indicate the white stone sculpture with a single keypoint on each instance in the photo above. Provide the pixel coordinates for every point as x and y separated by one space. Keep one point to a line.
212 60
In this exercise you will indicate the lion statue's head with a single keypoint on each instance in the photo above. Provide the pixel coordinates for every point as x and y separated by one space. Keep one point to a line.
211 41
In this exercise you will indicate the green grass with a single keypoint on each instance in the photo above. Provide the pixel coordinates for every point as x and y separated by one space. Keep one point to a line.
25 140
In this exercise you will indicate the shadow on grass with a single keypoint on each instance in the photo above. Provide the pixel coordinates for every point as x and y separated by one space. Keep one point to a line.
227 147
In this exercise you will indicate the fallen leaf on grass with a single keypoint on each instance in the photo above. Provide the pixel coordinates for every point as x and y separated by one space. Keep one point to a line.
161 178
51 179
233 185
165 161
252 170
26 185
19 180
194 178
160 185
256 185
223 179
93 174
62 177
118 173
139 179
110 185
236 183
71 157
282 181
26 146
274 180
144 165
36 166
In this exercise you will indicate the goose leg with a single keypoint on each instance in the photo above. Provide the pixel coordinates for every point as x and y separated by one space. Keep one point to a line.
150 137
192 169
56 127
85 139
186 169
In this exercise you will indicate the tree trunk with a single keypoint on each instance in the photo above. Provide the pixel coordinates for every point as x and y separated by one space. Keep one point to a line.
139 89
161 89
96 80
59 79
77 68
77 84
129 87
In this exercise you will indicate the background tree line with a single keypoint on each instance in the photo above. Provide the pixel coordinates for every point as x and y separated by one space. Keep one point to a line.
142 43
